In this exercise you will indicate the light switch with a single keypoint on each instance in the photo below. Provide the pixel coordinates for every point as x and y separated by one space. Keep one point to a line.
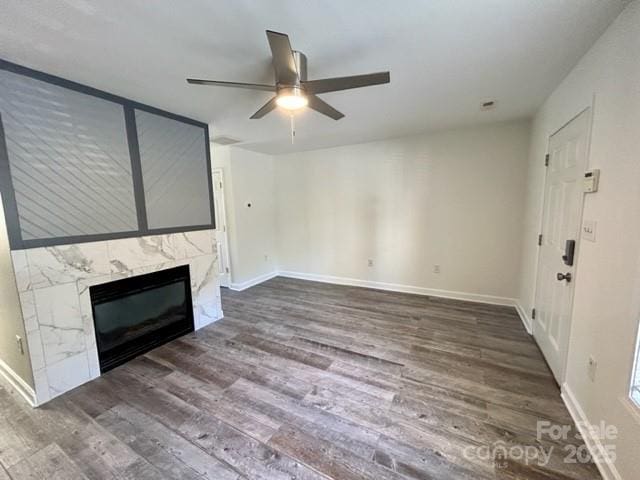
589 230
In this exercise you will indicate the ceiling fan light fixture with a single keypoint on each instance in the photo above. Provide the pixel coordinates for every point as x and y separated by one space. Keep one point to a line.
292 99
292 89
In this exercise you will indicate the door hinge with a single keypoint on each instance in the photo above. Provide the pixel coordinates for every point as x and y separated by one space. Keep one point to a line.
546 160
226 269
533 313
220 183
540 240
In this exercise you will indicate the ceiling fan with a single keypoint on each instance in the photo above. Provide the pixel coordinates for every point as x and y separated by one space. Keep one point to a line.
293 90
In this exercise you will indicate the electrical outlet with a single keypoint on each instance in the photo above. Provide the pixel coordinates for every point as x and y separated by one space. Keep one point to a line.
592 368
370 262
436 269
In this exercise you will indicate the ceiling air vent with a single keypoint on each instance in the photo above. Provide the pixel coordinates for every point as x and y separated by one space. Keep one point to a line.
222 140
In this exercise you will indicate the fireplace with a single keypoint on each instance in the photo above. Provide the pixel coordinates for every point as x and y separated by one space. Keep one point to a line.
134 315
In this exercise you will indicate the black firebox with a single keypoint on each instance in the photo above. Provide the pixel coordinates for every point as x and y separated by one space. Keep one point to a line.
136 314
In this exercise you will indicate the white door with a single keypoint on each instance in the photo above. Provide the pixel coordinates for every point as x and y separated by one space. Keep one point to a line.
224 272
561 220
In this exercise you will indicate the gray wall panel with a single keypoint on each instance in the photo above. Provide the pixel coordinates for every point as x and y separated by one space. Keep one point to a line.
173 157
69 160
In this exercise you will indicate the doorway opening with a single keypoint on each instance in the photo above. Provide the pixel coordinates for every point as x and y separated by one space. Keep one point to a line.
222 237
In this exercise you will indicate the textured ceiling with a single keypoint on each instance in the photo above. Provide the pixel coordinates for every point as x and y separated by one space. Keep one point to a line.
445 57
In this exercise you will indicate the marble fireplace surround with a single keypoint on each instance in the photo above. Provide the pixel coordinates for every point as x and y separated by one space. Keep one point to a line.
53 283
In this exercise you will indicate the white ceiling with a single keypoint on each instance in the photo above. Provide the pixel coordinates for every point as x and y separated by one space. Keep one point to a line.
445 57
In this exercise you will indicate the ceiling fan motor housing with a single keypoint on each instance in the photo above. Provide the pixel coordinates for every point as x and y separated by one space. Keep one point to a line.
295 90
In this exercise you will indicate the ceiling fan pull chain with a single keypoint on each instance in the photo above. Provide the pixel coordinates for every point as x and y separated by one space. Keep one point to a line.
293 129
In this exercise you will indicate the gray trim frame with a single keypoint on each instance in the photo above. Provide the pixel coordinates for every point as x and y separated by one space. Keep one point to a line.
129 106
8 193
136 167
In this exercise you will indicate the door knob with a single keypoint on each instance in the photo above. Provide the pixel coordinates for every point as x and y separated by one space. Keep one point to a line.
564 276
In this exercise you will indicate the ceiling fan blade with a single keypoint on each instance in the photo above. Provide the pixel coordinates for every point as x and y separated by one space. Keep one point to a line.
323 107
266 108
283 62
250 86
345 83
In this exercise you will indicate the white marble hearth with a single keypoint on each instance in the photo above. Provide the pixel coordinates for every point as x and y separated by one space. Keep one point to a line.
54 293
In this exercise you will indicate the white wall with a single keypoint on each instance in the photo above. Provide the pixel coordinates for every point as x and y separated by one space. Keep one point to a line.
607 296
249 178
452 198
11 322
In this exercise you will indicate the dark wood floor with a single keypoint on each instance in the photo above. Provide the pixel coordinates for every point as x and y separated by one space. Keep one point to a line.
308 381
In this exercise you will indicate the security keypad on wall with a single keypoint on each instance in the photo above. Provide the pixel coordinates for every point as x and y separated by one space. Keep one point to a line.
591 180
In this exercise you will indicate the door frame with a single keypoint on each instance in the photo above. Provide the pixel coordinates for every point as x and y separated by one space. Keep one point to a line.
222 222
589 108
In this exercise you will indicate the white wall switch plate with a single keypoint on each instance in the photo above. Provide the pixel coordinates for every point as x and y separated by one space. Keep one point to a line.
589 230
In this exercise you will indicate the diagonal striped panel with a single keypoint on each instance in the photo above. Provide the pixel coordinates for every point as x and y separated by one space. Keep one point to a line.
69 160
174 171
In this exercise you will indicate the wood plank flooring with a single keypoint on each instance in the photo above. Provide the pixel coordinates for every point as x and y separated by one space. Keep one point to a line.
309 381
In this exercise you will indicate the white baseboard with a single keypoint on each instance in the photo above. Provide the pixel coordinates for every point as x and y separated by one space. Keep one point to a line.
526 320
394 287
604 463
18 383
254 281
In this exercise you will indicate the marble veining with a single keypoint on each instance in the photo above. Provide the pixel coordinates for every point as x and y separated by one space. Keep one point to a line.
130 253
54 285
203 277
60 322
28 306
55 265
36 351
21 270
60 343
194 244
58 306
